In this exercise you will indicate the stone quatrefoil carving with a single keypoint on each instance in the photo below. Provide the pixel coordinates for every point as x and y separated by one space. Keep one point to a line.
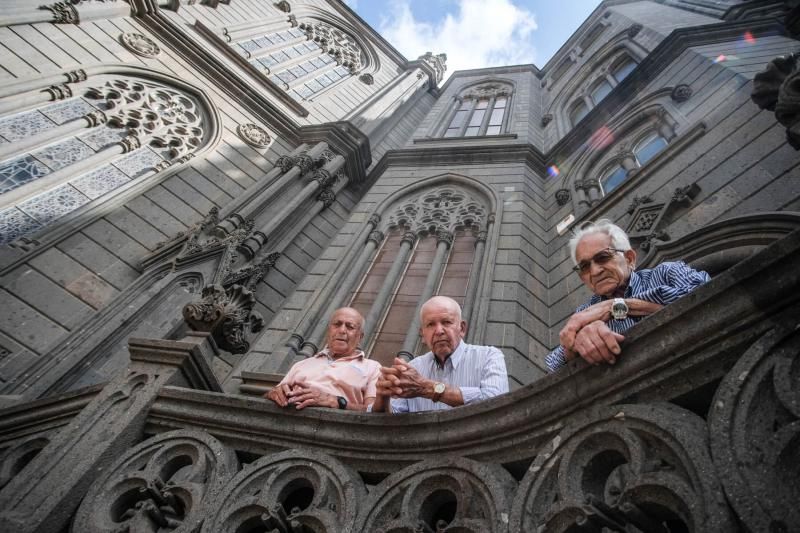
632 468
163 484
445 208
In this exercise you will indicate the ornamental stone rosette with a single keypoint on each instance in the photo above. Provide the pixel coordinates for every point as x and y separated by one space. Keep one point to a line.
140 44
254 135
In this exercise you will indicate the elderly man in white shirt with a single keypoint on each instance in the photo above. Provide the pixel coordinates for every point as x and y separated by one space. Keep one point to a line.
453 373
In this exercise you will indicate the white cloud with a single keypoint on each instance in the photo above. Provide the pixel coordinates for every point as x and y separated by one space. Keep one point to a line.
482 33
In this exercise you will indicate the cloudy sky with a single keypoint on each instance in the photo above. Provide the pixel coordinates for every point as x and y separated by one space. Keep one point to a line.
476 33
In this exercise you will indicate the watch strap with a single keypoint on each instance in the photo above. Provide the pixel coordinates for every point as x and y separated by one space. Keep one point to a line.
342 401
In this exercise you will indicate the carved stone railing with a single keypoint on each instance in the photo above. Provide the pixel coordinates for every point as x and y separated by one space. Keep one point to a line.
695 429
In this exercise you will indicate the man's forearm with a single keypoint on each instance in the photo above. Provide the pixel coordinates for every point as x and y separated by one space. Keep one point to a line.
381 404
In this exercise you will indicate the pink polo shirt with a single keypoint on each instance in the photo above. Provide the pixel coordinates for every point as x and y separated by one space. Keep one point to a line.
355 377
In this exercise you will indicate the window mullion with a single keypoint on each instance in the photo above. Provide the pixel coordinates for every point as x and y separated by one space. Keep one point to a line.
487 116
468 118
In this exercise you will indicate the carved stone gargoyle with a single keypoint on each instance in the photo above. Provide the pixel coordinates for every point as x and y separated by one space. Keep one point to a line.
777 89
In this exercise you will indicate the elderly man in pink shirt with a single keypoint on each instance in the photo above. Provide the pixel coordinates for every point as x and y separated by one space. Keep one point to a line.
339 376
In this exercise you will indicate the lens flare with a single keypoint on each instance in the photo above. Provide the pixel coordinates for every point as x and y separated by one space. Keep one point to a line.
748 38
553 171
720 58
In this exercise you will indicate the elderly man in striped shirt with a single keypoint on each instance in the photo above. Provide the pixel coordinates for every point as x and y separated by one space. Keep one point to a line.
453 373
622 295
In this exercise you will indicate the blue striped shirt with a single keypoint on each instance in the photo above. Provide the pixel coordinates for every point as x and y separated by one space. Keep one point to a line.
479 371
662 285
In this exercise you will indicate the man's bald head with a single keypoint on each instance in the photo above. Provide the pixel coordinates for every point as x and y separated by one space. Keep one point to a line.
441 302
441 326
345 331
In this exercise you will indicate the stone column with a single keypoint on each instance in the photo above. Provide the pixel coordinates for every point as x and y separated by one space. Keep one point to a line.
65 13
53 93
382 298
444 239
312 317
323 178
475 274
289 167
19 89
45 494
313 343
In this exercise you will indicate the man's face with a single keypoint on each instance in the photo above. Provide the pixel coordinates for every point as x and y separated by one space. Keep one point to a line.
604 279
345 331
442 329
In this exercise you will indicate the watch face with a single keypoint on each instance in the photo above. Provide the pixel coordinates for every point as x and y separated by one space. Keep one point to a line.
619 309
438 388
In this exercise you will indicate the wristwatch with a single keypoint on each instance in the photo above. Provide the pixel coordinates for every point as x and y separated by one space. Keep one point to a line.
619 309
342 402
438 390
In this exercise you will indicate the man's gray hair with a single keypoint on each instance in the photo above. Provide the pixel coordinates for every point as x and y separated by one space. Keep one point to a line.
619 239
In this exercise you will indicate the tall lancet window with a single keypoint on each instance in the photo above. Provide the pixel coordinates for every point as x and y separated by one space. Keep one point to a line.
481 110
304 59
431 247
105 134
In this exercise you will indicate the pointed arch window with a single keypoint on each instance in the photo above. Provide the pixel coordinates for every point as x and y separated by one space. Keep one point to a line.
480 111
643 151
434 243
103 135
601 87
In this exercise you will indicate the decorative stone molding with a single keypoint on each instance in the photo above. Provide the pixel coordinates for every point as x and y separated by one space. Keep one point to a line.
130 143
63 13
59 92
305 162
335 42
636 202
374 219
444 236
227 315
366 79
440 495
140 44
13 458
777 88
488 90
74 76
586 184
754 421
376 237
250 275
648 218
285 162
437 62
253 134
284 6
562 196
409 237
442 208
167 480
324 178
547 119
289 491
327 197
681 93
626 468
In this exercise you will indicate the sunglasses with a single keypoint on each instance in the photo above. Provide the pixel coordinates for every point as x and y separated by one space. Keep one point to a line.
601 258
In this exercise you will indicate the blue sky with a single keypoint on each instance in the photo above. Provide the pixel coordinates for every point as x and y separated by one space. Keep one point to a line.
476 33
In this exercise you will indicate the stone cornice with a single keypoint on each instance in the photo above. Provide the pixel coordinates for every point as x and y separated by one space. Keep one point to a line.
44 415
690 343
461 155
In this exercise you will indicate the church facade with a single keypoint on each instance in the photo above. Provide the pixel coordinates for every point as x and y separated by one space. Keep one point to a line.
189 189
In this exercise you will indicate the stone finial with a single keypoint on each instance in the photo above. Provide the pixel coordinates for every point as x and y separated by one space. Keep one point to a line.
547 119
438 62
562 196
227 315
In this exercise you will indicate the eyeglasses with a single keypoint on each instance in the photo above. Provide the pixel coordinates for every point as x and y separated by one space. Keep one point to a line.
601 258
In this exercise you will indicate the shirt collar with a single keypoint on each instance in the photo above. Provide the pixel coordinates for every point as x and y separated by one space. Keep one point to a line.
325 352
455 358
